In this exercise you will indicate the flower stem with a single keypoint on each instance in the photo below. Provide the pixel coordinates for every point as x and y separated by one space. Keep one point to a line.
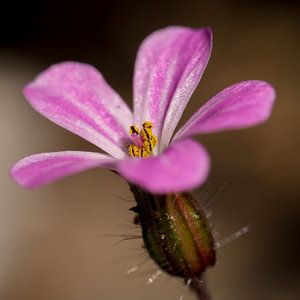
198 286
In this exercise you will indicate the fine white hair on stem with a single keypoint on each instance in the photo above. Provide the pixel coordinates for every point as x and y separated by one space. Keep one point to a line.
234 236
153 277
137 266
207 193
210 190
125 237
187 285
212 196
122 198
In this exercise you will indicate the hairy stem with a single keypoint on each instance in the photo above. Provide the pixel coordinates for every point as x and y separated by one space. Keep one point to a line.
198 286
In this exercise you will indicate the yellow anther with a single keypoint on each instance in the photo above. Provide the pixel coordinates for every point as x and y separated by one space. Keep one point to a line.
134 151
147 125
148 139
147 135
133 130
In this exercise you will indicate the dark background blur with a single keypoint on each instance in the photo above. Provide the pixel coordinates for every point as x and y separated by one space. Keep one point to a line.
51 240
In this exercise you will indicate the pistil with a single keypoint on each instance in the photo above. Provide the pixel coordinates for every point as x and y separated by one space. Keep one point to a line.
144 140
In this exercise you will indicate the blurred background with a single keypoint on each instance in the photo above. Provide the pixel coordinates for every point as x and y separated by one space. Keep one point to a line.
57 242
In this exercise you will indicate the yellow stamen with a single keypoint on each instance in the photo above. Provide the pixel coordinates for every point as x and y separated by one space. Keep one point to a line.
133 130
134 151
148 139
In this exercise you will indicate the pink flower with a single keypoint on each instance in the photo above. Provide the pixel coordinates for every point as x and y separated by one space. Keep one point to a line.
169 66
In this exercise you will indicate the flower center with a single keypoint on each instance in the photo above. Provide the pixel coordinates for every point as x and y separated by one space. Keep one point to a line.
144 140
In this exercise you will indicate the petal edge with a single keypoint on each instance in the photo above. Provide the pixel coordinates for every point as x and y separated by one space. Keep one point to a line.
43 168
241 105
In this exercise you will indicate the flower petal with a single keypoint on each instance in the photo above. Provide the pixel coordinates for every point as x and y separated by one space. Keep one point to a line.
39 169
184 165
241 105
169 65
76 97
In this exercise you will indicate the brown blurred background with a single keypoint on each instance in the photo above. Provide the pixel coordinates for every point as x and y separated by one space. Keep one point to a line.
51 239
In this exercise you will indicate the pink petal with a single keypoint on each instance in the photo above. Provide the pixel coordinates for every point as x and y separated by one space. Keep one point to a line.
182 166
76 97
169 65
241 105
39 169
